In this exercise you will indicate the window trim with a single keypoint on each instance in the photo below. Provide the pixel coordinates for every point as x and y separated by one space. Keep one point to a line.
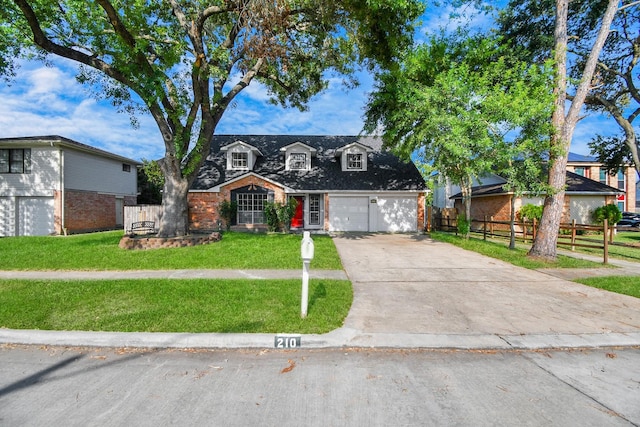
250 200
24 162
298 164
352 163
239 160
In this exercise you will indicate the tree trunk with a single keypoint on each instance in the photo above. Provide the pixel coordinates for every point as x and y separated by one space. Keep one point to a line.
175 209
545 243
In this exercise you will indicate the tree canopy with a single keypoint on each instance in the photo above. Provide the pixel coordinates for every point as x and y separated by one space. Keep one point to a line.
528 28
465 106
186 61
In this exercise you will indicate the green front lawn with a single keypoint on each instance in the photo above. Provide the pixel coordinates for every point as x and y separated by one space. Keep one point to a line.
518 256
253 306
627 285
100 251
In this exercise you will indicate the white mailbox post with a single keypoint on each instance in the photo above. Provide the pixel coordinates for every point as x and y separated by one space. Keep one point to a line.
306 251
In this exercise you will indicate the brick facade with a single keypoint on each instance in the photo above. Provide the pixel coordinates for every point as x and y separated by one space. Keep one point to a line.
88 211
203 206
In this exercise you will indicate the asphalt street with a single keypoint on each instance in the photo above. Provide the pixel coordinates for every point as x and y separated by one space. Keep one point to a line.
59 386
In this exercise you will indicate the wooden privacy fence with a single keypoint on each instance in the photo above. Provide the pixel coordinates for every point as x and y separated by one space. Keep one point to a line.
141 213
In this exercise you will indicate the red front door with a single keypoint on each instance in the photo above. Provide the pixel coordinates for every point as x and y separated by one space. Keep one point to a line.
298 218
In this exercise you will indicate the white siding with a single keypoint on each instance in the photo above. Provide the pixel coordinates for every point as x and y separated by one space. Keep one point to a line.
43 179
92 173
583 206
7 216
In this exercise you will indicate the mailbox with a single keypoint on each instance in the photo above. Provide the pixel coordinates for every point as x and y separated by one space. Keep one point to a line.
306 249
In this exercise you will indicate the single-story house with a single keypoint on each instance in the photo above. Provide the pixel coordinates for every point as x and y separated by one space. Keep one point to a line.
341 183
54 185
582 197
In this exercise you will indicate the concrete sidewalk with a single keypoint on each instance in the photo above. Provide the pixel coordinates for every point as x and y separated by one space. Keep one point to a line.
409 292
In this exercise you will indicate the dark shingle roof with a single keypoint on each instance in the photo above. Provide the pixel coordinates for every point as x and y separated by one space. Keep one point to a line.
384 171
576 184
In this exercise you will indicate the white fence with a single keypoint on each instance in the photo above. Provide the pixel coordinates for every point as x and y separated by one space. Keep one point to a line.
140 213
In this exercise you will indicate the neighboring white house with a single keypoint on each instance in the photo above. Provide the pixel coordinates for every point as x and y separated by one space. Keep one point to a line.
53 185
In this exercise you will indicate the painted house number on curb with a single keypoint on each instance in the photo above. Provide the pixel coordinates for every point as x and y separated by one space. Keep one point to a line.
287 341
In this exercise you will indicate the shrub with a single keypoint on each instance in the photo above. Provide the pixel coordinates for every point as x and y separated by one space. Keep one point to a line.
228 210
278 215
530 212
286 212
609 212
271 216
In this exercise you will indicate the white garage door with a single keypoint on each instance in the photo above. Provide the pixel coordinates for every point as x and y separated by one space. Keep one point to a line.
7 217
349 213
35 216
397 214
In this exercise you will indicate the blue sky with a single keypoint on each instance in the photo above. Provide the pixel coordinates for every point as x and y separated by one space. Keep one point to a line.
47 100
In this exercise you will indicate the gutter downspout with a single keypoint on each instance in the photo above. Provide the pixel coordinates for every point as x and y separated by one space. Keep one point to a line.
62 195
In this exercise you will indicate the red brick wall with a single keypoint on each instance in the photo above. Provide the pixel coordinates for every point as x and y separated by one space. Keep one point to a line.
88 211
421 202
203 207
497 206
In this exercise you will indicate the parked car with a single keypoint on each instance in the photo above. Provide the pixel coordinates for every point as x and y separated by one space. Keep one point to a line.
627 222
631 215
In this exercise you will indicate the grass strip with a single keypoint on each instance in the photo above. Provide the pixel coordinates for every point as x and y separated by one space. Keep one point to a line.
100 251
238 306
517 256
627 285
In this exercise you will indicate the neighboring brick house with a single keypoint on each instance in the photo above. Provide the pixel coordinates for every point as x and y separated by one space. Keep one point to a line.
341 183
582 197
583 193
624 179
54 185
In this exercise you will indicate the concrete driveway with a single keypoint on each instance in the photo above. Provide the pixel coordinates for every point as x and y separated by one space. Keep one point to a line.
412 285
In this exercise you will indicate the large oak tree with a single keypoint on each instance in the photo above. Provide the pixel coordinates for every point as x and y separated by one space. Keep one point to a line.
186 61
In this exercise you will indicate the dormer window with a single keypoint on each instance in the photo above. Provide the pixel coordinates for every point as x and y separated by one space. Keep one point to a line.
353 157
241 156
354 161
240 160
297 156
298 161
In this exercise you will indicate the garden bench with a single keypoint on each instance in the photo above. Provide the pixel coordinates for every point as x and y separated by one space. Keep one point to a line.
143 226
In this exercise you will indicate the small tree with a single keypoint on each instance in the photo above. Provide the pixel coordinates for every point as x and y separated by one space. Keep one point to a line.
228 210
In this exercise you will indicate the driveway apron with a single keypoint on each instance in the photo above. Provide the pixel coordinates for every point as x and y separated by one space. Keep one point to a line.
411 284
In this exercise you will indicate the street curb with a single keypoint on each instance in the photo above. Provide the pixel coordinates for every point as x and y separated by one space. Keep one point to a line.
340 338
